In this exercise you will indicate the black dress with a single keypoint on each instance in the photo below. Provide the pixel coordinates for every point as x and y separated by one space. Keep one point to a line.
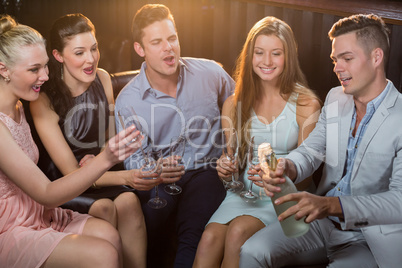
84 128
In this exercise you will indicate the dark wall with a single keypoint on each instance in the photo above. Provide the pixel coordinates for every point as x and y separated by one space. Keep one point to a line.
214 29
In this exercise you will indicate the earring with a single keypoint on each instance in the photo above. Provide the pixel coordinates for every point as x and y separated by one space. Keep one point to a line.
7 79
62 72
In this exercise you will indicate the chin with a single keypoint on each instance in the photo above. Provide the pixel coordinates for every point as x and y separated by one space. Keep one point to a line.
31 97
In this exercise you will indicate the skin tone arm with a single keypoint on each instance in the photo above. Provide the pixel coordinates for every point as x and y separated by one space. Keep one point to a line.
307 113
26 175
46 124
308 205
225 168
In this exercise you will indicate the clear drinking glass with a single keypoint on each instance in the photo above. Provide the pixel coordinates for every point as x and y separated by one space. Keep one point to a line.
231 150
127 117
177 147
153 164
252 160
152 158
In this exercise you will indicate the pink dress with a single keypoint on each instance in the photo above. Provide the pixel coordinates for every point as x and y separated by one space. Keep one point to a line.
26 240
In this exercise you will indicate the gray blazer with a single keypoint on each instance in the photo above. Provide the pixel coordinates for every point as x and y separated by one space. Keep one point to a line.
375 205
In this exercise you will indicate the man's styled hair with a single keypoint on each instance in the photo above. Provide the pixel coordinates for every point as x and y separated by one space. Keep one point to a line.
147 15
371 31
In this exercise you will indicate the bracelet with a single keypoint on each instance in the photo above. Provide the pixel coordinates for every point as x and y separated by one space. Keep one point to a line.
95 186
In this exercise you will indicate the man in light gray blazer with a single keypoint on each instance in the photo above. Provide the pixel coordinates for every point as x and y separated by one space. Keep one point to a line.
356 217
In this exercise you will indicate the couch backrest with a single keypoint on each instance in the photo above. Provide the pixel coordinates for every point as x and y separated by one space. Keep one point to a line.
120 79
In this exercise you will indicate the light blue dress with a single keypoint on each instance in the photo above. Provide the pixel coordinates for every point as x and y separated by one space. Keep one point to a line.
282 133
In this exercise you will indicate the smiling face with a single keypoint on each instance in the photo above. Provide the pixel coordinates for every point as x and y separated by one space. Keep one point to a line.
80 58
268 58
353 65
29 72
161 48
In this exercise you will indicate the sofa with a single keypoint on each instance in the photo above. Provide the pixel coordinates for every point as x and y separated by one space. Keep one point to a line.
120 79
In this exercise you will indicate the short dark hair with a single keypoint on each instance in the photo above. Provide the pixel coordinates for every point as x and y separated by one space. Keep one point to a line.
371 31
147 15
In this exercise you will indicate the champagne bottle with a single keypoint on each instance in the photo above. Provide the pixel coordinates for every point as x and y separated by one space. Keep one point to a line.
290 226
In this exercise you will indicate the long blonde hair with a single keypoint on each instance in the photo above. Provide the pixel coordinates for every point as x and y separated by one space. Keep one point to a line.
248 89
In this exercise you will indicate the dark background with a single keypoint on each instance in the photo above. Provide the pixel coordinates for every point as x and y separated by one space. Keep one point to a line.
217 29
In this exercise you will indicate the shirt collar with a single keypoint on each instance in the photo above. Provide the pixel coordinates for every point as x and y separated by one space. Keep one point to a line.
143 83
375 103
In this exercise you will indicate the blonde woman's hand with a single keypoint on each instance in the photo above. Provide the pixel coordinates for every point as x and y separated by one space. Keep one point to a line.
124 144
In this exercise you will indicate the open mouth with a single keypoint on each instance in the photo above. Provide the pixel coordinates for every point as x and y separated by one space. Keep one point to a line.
36 88
345 81
267 70
169 60
89 70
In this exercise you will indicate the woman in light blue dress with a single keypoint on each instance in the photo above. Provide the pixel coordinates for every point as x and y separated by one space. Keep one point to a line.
271 100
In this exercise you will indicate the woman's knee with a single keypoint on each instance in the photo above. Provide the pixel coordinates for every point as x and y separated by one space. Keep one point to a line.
236 233
104 254
127 203
213 237
241 229
104 209
84 250
104 230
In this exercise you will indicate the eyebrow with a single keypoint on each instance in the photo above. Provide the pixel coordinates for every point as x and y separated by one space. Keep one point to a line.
35 65
340 55
94 44
159 39
278 48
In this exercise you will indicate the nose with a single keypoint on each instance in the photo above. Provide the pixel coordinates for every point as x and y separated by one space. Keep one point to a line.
167 46
337 67
90 57
44 76
268 59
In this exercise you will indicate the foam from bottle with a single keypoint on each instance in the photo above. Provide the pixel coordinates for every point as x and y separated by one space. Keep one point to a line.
264 149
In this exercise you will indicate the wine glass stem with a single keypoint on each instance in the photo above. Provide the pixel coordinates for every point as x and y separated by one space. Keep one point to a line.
251 187
156 192
251 183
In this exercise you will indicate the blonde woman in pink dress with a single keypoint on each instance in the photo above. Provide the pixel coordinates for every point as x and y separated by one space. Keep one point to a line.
34 232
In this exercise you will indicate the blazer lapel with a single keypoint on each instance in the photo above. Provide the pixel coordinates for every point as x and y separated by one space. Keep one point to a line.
346 119
374 125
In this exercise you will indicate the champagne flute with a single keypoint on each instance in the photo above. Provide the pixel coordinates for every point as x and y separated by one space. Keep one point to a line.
127 117
153 164
252 160
177 147
231 150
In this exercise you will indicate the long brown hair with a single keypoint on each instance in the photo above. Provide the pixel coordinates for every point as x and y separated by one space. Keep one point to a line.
248 87
63 29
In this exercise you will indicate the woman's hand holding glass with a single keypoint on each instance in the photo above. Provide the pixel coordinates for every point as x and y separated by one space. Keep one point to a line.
226 168
255 175
253 168
121 146
140 181
230 152
128 117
